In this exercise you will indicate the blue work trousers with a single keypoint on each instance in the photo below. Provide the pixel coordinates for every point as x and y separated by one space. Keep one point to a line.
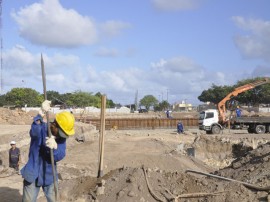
31 190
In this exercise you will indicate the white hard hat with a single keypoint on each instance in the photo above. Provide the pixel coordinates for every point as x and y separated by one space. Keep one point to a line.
12 142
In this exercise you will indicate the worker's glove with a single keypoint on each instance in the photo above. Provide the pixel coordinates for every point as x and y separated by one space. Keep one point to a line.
46 106
51 143
41 113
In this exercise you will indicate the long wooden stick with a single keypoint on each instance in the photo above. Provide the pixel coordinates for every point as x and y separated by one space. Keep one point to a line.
151 189
101 137
48 127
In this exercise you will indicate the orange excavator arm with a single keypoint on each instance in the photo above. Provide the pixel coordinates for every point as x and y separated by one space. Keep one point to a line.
241 89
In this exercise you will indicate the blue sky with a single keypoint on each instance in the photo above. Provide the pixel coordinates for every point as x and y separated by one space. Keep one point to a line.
172 49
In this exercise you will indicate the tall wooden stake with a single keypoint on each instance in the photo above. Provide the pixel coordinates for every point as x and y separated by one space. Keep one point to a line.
101 136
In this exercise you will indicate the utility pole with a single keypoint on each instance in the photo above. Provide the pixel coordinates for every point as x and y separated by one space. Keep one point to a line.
167 95
136 101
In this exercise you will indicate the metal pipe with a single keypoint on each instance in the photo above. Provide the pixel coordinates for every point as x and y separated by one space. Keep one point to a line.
48 127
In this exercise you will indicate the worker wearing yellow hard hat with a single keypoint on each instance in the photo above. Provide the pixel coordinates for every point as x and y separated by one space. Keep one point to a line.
64 121
38 170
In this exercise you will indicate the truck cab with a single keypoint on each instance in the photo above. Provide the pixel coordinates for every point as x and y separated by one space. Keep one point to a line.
208 121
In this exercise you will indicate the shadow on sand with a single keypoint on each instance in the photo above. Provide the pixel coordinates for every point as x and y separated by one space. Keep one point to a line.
10 195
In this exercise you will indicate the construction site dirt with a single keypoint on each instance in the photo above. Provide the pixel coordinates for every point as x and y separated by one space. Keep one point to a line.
147 165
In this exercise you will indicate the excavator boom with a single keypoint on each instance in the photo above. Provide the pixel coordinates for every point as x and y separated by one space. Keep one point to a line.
238 90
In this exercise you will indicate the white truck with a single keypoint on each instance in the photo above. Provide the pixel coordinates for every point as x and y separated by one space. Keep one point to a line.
209 122
214 120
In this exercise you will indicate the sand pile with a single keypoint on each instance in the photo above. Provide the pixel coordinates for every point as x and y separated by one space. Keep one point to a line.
14 117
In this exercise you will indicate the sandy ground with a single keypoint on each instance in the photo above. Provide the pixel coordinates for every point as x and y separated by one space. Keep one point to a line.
163 153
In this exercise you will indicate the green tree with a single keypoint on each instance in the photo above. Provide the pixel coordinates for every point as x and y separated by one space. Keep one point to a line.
259 94
66 98
109 103
83 99
55 97
98 94
215 94
162 106
148 101
2 100
255 96
22 96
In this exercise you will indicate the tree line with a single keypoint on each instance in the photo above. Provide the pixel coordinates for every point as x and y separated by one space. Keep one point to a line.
30 97
253 97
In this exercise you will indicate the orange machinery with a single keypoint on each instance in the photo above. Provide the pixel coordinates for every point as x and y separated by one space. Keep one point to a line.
222 104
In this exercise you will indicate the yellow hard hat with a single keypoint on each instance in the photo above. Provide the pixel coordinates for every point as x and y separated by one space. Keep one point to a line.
66 122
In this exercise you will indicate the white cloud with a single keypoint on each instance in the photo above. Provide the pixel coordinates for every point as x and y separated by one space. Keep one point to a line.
113 28
55 78
176 65
19 61
19 64
261 71
105 52
255 44
181 77
49 24
175 5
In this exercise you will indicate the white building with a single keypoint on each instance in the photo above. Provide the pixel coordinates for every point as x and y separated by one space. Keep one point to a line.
183 106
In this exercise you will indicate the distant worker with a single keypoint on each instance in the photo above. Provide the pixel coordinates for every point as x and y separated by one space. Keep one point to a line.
38 171
168 114
180 127
238 112
14 156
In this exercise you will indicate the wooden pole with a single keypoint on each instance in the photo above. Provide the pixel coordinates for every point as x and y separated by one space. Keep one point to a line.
101 136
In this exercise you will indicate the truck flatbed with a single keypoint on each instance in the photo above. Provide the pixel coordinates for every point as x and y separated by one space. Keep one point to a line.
251 119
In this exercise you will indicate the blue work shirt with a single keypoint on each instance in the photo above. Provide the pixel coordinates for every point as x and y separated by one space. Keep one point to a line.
180 127
238 112
39 165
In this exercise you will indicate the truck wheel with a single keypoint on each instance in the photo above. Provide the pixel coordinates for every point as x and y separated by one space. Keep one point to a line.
268 129
215 129
260 129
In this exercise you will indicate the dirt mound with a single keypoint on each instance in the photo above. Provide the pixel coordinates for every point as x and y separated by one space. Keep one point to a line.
251 168
131 184
14 117
139 184
19 117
